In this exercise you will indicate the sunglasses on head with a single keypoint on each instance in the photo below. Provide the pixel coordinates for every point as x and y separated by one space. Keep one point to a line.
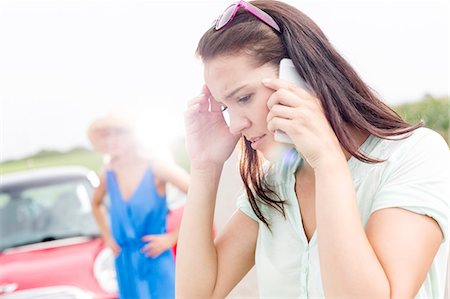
229 13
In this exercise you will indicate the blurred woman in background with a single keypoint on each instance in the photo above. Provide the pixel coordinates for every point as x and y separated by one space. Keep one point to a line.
138 209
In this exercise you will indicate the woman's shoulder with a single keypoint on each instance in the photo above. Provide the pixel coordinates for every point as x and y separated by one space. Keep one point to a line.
159 166
105 169
420 142
423 154
428 135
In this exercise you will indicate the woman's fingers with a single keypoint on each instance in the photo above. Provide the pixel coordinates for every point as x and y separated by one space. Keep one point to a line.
281 111
277 84
199 103
155 246
149 238
287 93
204 102
283 97
147 247
215 106
151 249
279 124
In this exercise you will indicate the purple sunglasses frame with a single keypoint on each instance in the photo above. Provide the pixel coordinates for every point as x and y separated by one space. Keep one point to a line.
258 13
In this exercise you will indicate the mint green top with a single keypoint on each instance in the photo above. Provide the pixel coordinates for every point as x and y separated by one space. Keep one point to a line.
415 177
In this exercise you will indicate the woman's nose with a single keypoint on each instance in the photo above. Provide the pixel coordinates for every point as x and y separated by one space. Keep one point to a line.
238 123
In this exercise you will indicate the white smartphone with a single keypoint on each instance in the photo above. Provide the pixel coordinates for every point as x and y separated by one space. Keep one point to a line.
288 72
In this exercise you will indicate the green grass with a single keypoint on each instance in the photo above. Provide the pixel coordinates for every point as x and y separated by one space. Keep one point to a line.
80 157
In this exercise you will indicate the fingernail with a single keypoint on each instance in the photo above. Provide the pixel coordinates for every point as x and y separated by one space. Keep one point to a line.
266 80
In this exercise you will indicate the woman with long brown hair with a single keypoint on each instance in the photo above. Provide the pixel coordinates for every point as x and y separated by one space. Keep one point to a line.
356 207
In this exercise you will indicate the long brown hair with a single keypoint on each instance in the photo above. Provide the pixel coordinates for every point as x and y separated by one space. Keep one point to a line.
346 99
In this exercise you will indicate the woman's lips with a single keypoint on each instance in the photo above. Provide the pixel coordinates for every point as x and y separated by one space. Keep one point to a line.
256 142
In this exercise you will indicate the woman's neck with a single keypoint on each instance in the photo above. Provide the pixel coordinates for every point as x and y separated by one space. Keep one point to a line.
126 160
359 137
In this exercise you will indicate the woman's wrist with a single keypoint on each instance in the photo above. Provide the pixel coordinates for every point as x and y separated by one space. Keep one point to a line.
174 238
206 169
108 239
327 162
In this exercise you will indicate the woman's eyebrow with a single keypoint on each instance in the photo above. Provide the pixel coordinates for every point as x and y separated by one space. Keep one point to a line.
234 92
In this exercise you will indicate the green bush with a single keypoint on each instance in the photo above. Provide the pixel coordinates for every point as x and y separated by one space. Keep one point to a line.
433 111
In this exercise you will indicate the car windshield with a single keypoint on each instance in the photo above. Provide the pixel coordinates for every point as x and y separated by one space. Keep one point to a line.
45 211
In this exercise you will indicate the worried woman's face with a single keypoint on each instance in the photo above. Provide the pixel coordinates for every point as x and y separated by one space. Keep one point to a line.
235 82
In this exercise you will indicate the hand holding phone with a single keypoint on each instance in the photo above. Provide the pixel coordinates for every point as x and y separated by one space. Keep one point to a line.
288 72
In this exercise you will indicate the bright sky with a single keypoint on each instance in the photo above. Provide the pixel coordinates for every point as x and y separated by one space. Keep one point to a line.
63 63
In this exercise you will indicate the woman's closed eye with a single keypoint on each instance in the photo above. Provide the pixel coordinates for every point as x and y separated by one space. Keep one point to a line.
243 99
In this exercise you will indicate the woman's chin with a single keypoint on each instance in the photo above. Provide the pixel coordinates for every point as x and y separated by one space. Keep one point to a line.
276 151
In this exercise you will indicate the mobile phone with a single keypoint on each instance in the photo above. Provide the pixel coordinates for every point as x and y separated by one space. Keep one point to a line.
288 72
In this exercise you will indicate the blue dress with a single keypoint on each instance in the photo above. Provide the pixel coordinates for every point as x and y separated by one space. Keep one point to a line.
143 214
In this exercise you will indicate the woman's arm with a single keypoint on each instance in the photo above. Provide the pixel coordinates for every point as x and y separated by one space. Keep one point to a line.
205 269
177 176
355 264
348 263
171 173
208 269
388 260
405 244
99 212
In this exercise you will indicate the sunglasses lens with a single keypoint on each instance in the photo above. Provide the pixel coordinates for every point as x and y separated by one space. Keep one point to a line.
225 17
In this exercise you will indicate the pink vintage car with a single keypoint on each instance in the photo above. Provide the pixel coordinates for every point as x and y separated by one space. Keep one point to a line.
49 241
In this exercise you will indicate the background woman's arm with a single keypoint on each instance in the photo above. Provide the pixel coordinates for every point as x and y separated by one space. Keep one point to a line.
172 173
100 214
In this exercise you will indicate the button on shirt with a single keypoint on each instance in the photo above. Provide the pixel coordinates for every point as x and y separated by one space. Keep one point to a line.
414 176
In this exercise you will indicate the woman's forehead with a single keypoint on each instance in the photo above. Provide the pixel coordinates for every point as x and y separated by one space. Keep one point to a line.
229 62
226 73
